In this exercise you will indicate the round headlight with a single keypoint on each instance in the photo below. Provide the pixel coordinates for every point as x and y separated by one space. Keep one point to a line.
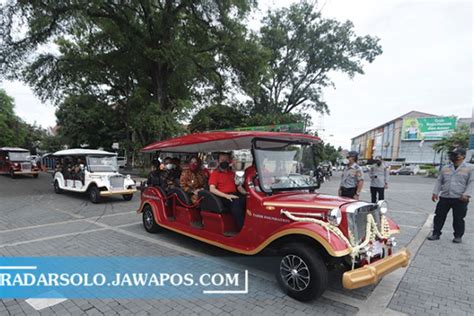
383 206
335 216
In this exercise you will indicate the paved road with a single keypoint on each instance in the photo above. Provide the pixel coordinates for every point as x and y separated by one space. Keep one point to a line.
36 222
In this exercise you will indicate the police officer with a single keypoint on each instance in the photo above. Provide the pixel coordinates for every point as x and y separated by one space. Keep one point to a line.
454 188
352 177
378 174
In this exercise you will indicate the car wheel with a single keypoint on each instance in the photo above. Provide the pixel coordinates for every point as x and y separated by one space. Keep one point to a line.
35 176
149 220
412 173
57 189
127 197
301 273
94 194
12 174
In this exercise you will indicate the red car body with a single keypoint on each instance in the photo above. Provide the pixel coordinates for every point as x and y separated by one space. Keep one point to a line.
279 220
15 161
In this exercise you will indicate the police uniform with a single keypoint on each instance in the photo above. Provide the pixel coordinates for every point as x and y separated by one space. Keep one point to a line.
351 176
378 179
451 184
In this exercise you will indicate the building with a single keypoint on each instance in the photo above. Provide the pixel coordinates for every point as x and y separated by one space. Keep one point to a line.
407 139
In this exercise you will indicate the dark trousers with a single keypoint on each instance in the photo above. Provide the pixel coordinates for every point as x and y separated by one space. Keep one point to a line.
459 212
374 191
348 192
237 208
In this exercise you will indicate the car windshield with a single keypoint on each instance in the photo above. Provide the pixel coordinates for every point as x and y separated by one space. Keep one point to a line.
286 167
19 156
102 163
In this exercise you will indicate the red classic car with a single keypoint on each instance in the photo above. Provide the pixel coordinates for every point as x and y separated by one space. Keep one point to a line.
16 161
310 231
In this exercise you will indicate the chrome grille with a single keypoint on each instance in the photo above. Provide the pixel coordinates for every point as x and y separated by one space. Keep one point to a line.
358 221
116 183
25 166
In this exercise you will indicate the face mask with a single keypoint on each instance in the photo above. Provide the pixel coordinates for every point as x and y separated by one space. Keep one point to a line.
345 161
193 166
453 158
169 166
224 165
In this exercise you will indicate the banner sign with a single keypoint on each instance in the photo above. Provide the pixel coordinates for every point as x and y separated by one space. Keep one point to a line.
427 128
289 128
119 277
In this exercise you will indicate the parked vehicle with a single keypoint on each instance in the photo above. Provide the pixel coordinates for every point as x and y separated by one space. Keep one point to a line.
406 170
16 161
121 161
310 232
90 171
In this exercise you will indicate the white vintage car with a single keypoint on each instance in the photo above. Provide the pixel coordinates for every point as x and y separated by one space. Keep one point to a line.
92 171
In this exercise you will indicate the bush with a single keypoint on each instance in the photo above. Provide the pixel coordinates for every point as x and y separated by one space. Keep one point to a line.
426 167
432 172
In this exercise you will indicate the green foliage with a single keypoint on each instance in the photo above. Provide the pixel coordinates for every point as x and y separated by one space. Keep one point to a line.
458 138
300 48
84 120
432 172
215 117
11 127
14 131
146 61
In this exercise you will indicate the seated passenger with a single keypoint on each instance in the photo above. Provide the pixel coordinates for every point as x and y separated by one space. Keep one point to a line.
169 177
79 170
222 184
177 167
154 176
193 179
250 177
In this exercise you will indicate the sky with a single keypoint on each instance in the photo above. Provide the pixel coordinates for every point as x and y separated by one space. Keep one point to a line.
426 65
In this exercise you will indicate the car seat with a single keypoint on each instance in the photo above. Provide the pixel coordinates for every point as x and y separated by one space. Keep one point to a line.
211 203
183 198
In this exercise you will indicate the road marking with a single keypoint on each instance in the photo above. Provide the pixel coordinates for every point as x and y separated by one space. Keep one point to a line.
19 243
378 301
63 222
42 303
409 226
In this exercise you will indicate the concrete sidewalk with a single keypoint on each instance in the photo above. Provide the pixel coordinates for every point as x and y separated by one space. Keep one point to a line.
440 279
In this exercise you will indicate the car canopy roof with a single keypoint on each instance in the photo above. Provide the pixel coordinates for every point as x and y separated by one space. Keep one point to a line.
17 149
83 152
222 141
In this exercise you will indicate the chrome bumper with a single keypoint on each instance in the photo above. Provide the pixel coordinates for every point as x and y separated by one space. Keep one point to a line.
26 172
371 273
119 192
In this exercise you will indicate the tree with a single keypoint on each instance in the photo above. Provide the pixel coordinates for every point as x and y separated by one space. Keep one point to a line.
12 127
216 117
458 138
83 120
137 57
300 49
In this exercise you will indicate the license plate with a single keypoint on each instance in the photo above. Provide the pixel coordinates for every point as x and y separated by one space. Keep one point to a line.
377 246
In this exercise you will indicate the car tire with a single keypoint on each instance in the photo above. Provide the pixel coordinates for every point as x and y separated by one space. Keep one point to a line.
127 197
12 174
301 273
149 221
412 173
35 176
56 187
94 194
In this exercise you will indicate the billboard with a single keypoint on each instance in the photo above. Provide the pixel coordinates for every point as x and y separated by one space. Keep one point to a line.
427 128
